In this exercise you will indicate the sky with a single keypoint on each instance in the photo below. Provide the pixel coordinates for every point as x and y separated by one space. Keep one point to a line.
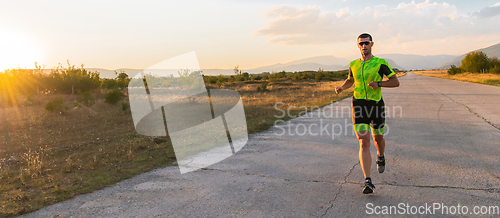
225 34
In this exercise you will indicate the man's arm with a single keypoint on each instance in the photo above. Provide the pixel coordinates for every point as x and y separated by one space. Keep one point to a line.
391 83
347 83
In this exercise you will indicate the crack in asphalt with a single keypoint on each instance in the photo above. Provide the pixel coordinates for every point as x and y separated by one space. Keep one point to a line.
338 192
490 190
270 177
471 111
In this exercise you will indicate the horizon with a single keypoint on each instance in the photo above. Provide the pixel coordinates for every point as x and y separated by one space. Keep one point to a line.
225 34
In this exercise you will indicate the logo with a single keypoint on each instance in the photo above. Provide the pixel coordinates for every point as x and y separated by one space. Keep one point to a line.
204 125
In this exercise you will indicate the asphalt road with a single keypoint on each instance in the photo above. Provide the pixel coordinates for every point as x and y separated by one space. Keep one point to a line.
443 147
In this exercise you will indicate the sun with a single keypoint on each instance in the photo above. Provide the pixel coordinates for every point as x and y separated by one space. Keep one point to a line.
17 51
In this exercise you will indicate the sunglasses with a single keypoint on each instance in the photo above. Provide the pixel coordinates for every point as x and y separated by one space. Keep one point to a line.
364 43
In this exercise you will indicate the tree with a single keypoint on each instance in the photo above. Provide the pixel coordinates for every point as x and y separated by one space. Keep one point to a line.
237 71
282 74
475 62
495 65
65 80
122 79
246 76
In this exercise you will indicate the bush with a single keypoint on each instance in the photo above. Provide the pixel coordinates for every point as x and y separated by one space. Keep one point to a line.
211 80
495 70
30 98
125 106
114 96
455 70
297 76
85 98
246 75
108 83
262 87
319 76
56 104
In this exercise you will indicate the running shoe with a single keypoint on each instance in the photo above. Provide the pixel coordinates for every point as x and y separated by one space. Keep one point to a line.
381 164
369 187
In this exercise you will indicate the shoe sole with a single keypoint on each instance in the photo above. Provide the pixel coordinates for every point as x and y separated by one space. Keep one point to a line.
381 169
367 190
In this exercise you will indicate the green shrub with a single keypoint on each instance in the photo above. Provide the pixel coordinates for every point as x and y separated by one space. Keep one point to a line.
262 87
455 70
297 76
211 80
85 98
56 104
108 83
246 75
494 82
30 98
319 76
495 70
125 106
114 96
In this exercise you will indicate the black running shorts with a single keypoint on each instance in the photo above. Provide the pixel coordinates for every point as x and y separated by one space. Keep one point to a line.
368 113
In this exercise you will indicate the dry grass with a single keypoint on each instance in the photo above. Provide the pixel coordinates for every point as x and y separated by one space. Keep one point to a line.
481 78
299 96
50 157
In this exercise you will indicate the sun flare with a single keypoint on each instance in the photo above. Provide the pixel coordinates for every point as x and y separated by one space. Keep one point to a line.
17 51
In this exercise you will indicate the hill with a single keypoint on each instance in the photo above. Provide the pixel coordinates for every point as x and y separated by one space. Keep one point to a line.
326 62
490 51
410 61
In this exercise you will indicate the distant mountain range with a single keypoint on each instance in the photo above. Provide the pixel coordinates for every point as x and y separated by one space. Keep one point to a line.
416 62
490 51
331 63
327 63
312 63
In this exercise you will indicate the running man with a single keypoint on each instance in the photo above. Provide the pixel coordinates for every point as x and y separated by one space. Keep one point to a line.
368 109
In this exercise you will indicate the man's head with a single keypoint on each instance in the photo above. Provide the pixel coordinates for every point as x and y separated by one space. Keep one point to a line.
365 44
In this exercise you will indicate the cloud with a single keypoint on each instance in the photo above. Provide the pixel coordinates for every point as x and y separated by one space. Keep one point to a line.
487 12
407 22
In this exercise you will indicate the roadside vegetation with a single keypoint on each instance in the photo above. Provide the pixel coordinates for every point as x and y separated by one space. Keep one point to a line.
71 132
476 67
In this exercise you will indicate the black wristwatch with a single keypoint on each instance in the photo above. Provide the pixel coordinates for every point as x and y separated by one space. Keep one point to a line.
379 84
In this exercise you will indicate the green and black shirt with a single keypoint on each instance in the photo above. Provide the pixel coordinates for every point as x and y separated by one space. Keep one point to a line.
365 72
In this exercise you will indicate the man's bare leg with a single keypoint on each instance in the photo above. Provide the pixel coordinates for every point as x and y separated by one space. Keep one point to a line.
380 145
365 158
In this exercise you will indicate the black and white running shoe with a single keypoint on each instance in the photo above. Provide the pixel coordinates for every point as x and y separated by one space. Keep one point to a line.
381 164
369 187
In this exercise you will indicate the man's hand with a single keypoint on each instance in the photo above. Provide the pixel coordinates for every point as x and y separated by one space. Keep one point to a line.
373 85
338 90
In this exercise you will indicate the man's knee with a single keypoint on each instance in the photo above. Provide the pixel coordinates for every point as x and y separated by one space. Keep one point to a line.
378 138
364 139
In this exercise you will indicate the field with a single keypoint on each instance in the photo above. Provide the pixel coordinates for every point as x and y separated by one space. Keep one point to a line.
481 78
50 157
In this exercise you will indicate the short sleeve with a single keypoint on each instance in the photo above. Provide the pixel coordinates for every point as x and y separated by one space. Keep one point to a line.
386 70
